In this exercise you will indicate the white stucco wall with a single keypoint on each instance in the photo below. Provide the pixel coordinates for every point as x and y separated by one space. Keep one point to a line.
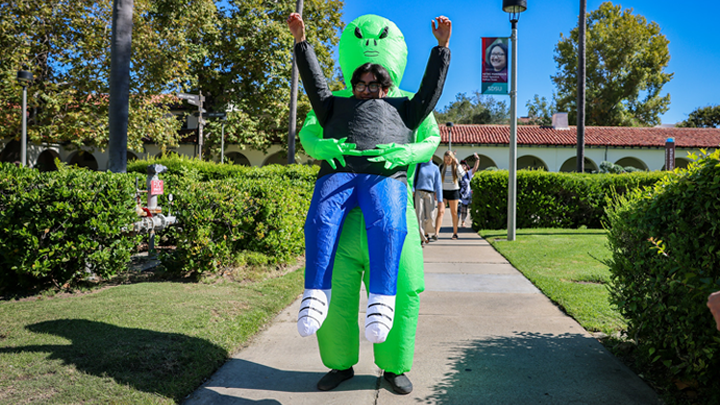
551 157
554 157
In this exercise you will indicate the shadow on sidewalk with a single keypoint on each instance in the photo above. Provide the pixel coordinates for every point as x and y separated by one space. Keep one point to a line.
540 369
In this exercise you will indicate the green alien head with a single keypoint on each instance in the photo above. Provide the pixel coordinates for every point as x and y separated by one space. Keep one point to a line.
374 39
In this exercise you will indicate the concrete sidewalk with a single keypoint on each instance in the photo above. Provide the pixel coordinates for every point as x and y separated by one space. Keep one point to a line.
486 335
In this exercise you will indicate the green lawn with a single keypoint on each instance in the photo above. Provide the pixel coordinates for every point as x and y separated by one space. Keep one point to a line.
145 343
566 264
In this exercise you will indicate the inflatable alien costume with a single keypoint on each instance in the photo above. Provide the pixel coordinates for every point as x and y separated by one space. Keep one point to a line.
377 40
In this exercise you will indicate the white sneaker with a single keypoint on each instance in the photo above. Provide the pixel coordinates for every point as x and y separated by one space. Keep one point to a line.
379 317
313 311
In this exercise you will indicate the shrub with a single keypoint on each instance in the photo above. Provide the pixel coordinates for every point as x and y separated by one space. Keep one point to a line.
221 220
56 227
549 200
665 244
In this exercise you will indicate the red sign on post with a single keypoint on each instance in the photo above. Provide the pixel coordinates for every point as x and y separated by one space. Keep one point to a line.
156 187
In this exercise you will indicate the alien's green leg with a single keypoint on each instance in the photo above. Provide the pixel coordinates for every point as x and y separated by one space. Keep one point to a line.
338 338
396 353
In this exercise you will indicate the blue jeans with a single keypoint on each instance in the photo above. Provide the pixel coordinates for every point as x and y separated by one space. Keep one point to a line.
383 202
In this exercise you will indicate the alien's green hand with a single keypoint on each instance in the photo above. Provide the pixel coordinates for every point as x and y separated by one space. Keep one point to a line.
331 149
393 155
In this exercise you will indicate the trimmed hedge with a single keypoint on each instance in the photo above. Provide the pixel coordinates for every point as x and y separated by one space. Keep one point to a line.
58 227
550 200
665 244
221 221
201 170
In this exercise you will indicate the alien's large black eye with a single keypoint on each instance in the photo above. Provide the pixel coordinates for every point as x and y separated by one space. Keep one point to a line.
384 33
358 33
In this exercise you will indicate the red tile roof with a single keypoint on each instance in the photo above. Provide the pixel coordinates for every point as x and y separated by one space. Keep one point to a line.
594 136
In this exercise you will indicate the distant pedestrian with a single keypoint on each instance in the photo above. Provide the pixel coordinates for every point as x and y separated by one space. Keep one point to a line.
428 199
451 172
465 190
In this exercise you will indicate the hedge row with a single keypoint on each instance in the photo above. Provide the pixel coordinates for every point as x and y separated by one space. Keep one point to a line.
665 245
550 200
56 228
220 221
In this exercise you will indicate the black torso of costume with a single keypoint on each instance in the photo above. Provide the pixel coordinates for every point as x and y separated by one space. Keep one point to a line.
368 123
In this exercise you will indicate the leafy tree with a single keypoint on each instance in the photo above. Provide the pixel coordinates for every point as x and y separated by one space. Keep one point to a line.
238 55
626 59
703 117
540 112
476 109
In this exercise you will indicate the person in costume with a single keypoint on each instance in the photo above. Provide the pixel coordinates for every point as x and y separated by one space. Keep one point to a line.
381 127
338 338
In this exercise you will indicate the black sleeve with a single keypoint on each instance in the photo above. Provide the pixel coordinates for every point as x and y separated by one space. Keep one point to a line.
431 87
314 81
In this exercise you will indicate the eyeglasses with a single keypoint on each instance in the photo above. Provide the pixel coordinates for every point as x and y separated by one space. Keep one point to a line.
373 87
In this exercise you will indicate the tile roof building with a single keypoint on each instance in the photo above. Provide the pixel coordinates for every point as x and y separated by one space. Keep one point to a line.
554 149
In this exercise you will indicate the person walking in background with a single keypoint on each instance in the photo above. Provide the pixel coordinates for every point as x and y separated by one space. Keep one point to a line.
465 190
451 172
428 198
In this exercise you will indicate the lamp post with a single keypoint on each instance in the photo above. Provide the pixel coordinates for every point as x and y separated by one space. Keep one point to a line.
25 78
513 8
449 126
292 130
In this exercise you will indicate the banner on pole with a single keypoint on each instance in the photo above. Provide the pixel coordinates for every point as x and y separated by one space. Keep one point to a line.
495 59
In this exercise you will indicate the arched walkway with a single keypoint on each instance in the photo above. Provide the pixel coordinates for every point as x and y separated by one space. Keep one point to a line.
278 158
46 161
83 159
632 162
237 158
530 162
11 152
680 163
167 153
571 164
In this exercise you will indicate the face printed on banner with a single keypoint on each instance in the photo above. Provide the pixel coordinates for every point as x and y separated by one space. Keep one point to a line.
498 59
373 39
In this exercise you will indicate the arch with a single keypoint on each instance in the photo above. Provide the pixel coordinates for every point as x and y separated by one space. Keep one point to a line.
83 159
437 160
485 161
167 153
131 156
632 162
680 163
571 164
11 152
530 162
46 161
277 158
237 158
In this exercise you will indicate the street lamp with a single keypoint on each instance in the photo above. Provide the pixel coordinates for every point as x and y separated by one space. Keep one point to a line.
513 8
25 78
449 126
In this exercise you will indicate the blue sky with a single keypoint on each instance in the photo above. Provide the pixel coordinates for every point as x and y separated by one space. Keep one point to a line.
694 44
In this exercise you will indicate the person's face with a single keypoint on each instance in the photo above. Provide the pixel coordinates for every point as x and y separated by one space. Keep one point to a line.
448 159
368 81
498 60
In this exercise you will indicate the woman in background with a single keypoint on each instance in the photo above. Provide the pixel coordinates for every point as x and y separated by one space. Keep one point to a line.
451 172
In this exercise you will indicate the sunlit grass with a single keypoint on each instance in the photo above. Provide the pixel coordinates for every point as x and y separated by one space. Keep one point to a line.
567 265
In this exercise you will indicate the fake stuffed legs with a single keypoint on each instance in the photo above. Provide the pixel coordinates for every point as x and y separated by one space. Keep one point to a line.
383 202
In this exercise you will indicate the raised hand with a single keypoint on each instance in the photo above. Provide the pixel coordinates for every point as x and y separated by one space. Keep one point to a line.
297 27
442 31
